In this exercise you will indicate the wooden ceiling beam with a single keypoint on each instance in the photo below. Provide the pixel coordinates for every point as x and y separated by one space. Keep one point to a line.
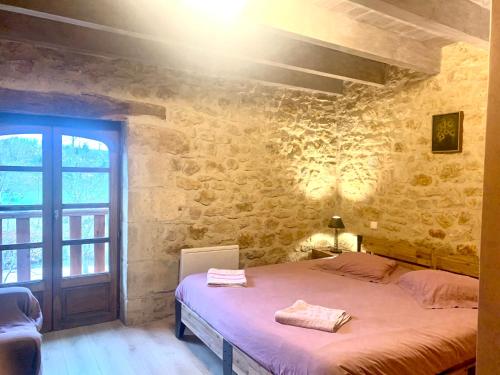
82 105
20 27
483 3
252 44
457 20
337 30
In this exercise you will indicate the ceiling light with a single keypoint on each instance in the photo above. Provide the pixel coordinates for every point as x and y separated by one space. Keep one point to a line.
221 10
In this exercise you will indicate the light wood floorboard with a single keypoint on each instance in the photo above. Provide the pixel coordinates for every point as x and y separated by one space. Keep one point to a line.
112 348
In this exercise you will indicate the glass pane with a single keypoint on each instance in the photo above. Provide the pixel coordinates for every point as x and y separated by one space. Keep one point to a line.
21 227
23 150
85 223
84 187
21 265
84 152
85 259
20 188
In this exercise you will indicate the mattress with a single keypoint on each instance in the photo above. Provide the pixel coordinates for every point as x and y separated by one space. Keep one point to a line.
389 333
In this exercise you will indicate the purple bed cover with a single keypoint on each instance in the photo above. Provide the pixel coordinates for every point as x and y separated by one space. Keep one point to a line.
389 333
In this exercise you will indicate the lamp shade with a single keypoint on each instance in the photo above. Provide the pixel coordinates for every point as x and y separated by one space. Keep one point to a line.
336 222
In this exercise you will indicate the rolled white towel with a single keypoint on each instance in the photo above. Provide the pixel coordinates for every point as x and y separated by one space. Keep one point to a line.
221 277
302 314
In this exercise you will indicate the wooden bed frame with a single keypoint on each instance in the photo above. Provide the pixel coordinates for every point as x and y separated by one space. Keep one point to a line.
234 359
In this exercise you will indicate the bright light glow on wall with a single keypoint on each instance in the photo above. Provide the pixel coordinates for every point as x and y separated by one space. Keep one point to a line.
316 181
319 188
357 182
221 10
356 192
321 239
347 241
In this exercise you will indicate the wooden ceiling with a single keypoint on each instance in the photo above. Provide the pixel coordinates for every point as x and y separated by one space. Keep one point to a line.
307 44
432 20
364 14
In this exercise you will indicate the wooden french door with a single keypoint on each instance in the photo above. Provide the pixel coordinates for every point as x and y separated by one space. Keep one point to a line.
59 216
25 210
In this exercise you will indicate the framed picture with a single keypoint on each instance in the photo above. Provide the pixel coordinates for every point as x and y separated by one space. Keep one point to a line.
447 132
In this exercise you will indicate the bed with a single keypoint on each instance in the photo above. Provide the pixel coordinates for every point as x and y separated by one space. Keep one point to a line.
388 334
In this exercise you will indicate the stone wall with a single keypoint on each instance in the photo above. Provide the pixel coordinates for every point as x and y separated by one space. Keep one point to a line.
234 162
265 167
386 170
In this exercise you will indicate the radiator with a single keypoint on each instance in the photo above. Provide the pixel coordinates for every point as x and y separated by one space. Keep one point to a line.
198 260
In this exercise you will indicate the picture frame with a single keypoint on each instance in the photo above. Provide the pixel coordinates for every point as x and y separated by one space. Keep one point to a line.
447 133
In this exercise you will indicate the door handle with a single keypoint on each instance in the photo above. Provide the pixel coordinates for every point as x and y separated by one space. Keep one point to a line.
56 214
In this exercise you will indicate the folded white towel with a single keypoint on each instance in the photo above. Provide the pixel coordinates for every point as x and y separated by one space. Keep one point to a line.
301 314
219 277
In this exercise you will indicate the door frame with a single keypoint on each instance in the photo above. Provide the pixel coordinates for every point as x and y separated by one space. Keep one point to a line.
47 125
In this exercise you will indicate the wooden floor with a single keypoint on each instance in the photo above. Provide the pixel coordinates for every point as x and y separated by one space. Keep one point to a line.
111 348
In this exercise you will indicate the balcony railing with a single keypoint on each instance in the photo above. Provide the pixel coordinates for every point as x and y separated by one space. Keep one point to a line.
27 263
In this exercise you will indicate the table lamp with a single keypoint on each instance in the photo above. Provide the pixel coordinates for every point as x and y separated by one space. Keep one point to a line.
336 223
